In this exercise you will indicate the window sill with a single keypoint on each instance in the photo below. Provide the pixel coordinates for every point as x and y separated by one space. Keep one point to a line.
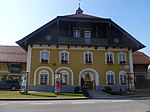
43 84
44 62
88 63
122 63
110 83
64 62
110 63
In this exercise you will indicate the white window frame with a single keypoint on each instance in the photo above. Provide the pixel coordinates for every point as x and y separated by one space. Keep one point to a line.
87 34
64 53
89 55
76 33
45 57
67 74
122 58
111 55
112 74
43 72
122 73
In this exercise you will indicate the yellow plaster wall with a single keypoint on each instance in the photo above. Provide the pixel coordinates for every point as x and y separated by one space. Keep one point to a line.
76 63
5 71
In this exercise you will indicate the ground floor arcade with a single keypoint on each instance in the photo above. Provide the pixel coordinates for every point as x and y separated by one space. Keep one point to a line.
45 78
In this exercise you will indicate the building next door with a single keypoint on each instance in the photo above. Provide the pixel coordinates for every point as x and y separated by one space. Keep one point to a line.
140 81
89 79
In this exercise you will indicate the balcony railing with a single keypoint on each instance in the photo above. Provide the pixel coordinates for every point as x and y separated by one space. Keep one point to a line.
81 40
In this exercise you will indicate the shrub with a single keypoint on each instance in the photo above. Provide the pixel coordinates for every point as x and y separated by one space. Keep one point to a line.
85 92
107 89
77 89
120 91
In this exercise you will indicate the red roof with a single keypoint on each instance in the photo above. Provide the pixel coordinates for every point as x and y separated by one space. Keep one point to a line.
12 54
140 58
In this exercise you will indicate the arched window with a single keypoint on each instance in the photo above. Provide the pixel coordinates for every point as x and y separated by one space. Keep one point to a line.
43 77
88 57
122 77
110 77
44 56
109 58
64 57
65 77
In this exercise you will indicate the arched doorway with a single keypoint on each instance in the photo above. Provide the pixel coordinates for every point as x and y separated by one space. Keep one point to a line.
90 78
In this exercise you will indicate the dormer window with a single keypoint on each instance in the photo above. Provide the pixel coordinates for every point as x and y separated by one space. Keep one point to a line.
76 33
87 34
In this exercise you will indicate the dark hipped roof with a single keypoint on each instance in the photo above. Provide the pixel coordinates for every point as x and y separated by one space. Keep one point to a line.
140 58
12 54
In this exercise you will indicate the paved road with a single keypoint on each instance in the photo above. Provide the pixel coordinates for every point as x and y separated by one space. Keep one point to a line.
142 105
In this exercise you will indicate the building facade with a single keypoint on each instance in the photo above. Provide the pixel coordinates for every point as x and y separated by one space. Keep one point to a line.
80 46
12 62
141 62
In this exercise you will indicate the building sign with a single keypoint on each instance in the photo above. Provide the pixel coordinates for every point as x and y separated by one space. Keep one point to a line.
15 68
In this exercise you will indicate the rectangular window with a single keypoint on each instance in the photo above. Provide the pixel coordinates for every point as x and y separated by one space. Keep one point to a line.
87 34
64 79
88 57
15 68
43 78
123 79
44 57
109 58
76 33
122 58
64 57
110 79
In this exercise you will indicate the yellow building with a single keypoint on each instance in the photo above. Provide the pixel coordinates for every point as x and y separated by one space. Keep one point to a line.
80 46
12 62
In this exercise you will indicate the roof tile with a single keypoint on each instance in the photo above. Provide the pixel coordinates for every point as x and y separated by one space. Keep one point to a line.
140 58
12 54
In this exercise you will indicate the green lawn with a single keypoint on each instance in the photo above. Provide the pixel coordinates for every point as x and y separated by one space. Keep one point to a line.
16 94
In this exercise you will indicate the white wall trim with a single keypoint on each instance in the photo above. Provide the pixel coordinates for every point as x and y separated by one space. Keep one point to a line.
96 75
29 58
73 47
62 68
35 73
132 86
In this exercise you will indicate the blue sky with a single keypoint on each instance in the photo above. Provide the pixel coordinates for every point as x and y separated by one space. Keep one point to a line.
19 18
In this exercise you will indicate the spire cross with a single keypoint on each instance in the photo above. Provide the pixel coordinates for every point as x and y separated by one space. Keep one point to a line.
79 2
